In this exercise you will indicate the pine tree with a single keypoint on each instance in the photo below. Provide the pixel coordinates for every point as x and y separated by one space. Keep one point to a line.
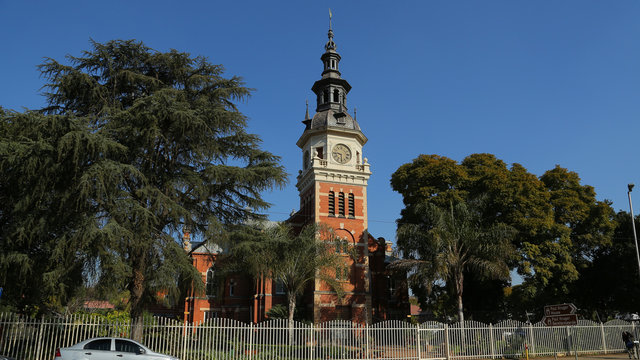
183 158
47 227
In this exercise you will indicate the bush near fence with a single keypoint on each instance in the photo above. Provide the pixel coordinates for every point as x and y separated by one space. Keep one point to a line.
224 339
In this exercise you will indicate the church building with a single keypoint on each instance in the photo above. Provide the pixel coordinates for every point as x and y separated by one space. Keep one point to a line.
333 190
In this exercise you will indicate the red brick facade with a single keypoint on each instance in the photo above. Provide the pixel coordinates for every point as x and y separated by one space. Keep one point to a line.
347 216
239 297
244 299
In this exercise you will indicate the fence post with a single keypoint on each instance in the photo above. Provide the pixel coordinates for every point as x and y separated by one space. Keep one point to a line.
531 340
39 349
313 345
604 339
573 343
569 341
184 341
492 340
251 340
418 341
446 341
366 327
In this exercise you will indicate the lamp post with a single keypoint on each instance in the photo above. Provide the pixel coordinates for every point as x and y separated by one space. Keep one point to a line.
633 225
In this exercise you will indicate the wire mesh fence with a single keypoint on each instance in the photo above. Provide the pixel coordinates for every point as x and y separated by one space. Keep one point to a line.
25 338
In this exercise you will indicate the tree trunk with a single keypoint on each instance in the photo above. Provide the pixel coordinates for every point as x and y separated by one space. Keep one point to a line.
136 292
459 289
292 309
460 312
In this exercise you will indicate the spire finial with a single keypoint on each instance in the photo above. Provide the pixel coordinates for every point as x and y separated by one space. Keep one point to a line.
306 115
355 113
330 44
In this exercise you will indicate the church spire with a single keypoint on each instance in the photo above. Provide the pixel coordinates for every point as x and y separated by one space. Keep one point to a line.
306 115
307 118
330 58
331 91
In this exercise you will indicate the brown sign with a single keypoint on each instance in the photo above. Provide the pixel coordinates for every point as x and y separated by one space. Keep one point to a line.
561 320
561 309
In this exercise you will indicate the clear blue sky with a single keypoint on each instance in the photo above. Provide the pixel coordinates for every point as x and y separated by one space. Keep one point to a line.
539 83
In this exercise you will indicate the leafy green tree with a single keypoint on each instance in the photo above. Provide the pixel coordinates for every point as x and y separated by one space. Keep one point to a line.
183 158
445 244
575 206
558 221
582 226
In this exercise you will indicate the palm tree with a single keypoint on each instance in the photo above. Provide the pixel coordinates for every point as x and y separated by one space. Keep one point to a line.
295 259
442 244
302 259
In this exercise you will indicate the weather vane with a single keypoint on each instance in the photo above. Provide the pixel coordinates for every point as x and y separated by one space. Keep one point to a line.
330 19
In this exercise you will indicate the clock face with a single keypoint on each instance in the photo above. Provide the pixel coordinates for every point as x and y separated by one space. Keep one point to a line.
341 153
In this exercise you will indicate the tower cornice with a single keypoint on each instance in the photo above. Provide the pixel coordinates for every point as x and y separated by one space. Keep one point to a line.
358 175
319 85
331 130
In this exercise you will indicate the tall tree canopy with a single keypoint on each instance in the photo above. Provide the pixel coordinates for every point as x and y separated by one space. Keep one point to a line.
159 144
558 221
48 226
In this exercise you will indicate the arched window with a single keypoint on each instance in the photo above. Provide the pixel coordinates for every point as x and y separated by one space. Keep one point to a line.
341 204
342 246
326 96
392 286
342 273
211 288
332 203
336 95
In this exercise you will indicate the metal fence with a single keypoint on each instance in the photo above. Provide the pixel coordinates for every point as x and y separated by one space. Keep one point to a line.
32 339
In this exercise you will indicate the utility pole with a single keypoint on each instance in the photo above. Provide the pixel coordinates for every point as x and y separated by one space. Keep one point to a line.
633 225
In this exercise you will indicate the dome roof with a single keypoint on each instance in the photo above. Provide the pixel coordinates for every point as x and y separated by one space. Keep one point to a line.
333 118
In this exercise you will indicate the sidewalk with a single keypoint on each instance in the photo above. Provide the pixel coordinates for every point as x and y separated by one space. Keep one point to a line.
613 356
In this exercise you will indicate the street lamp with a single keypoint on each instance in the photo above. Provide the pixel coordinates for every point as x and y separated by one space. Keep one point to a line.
633 225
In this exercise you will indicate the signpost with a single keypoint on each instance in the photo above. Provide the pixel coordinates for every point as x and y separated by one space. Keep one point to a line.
561 320
560 315
561 309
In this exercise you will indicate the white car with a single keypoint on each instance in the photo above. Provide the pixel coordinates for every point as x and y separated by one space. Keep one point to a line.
109 348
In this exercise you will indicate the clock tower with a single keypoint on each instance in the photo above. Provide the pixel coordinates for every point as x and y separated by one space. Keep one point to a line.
333 190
